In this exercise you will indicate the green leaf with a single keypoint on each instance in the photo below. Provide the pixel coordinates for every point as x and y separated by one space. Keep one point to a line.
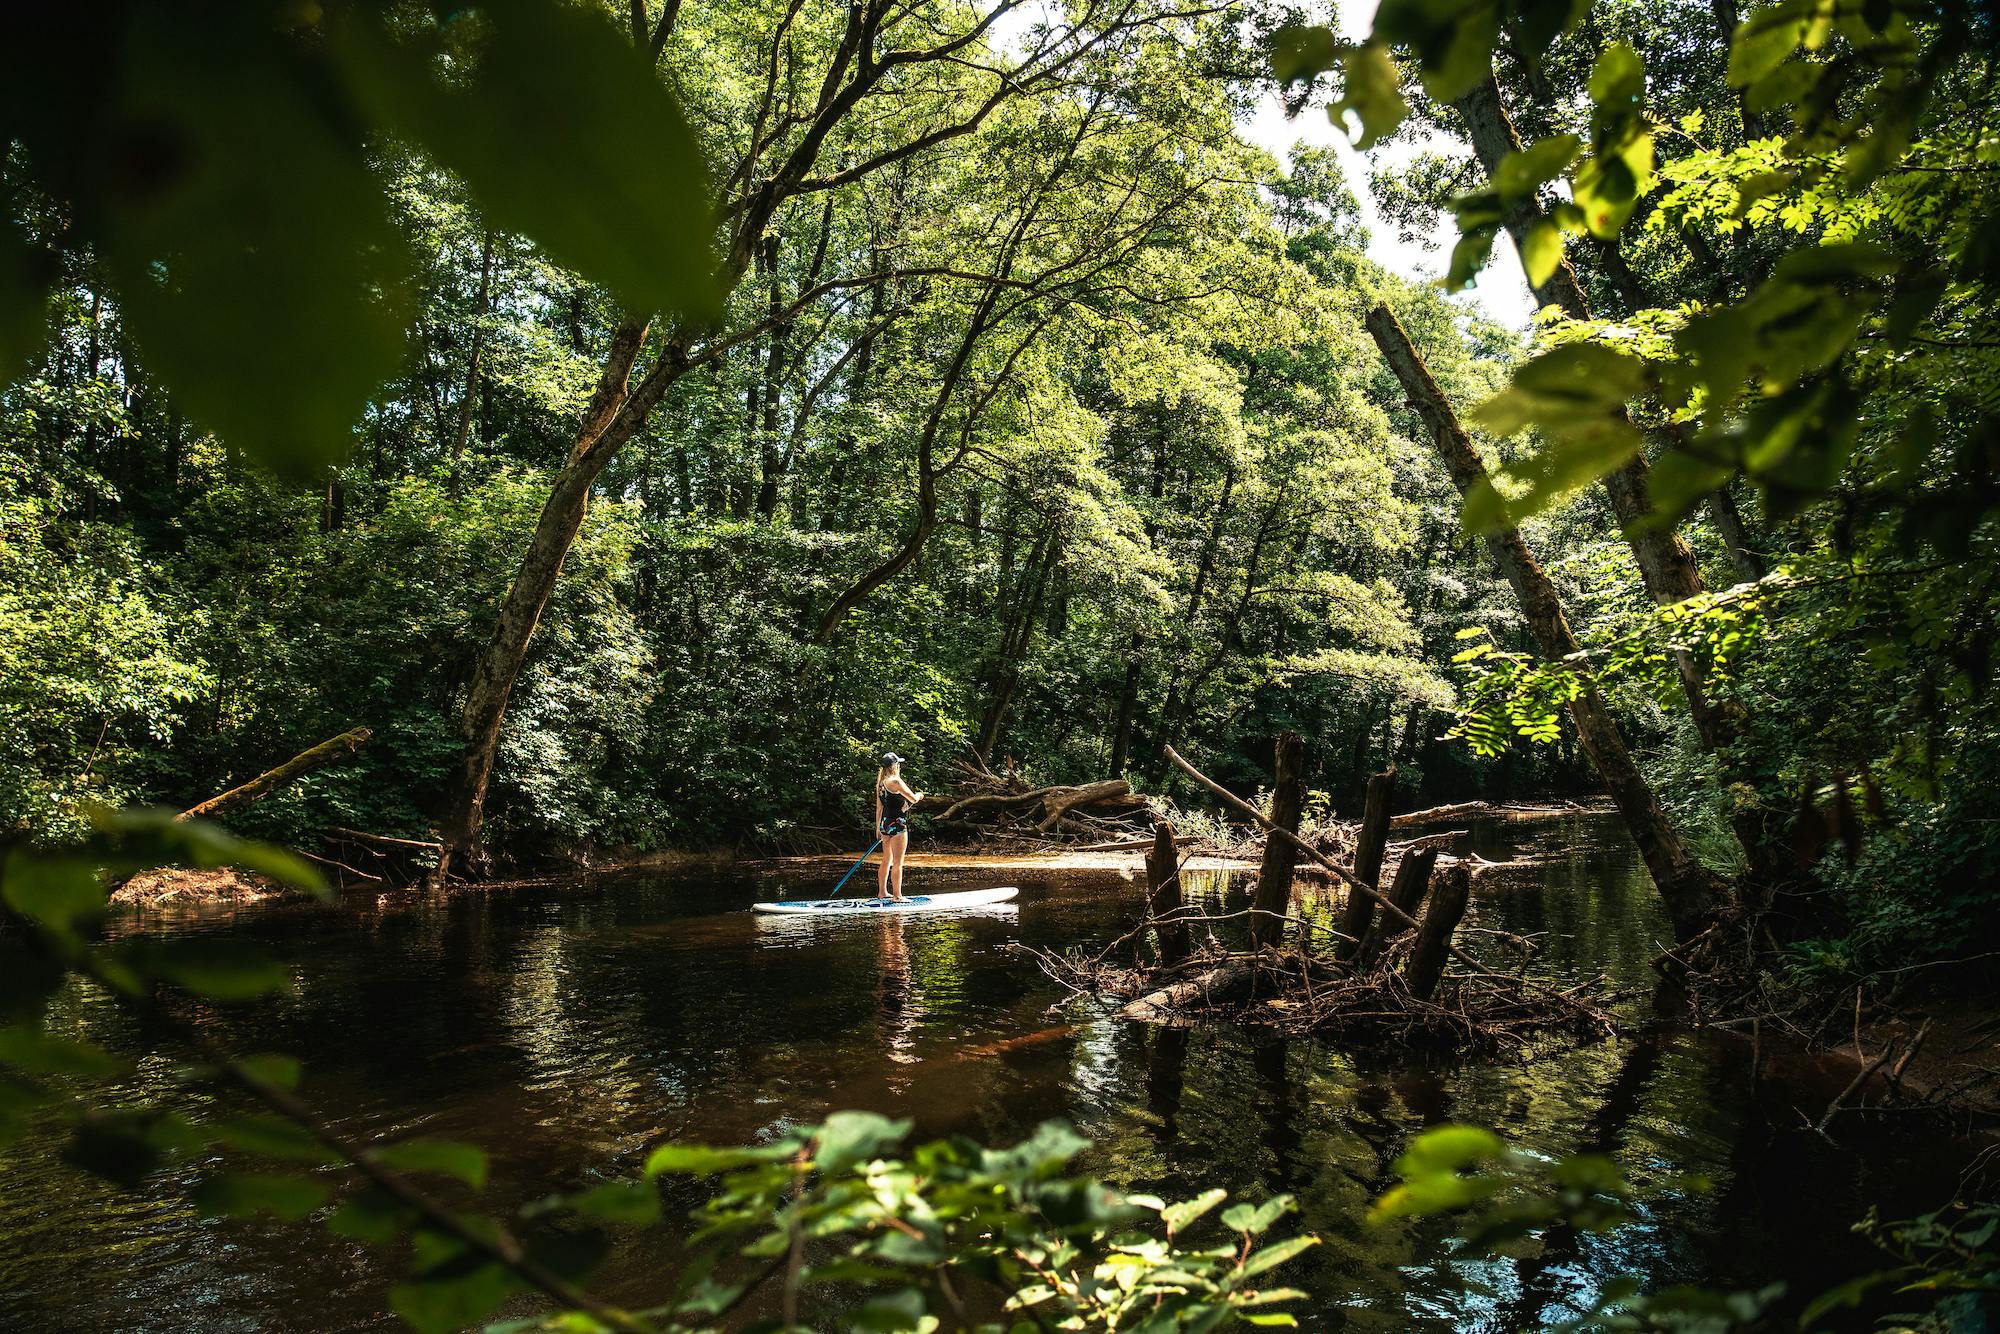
1178 1216
626 1202
56 891
272 1136
1766 39
1270 1257
1521 173
897 1311
255 262
1609 185
1541 252
1538 23
1373 91
218 968
851 1138
1618 80
371 1215
466 1162
242 1194
1468 257
706 1160
1453 43
31 1050
271 1068
1449 1148
1302 51
557 123
1258 1217
1572 387
445 1305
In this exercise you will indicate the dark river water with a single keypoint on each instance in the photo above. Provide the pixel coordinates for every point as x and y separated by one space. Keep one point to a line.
569 1030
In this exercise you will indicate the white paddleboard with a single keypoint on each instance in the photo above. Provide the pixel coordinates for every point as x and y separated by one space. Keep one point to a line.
969 898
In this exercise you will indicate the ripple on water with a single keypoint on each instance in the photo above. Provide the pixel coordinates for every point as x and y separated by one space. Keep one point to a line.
569 1029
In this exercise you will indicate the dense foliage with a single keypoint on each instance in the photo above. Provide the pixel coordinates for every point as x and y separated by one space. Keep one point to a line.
1026 412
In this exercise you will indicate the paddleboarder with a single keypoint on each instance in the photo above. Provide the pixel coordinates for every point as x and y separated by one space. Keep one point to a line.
893 800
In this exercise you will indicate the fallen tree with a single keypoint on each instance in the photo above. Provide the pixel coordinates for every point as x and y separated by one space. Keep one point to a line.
1005 806
1394 973
331 751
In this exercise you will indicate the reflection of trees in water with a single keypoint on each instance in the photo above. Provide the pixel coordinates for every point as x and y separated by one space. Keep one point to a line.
1542 1276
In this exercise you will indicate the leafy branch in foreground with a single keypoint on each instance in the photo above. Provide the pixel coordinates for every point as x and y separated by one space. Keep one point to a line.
835 1221
1862 176
825 1215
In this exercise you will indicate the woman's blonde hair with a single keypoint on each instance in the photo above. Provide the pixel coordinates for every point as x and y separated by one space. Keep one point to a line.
882 774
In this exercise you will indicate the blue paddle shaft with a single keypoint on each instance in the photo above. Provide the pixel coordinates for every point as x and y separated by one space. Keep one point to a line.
857 866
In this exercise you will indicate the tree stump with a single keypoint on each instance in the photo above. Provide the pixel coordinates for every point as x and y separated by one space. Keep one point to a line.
1368 848
1406 891
1451 890
1273 899
1163 896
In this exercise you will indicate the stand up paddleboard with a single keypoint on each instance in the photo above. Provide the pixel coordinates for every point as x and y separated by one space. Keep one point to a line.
970 898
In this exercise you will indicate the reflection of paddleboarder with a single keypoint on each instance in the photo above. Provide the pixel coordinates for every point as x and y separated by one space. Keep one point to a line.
893 799
897 1011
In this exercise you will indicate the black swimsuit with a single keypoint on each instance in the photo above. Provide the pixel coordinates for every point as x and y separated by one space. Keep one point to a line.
894 805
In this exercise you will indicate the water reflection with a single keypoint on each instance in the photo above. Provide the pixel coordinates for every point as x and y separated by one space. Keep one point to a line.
569 1030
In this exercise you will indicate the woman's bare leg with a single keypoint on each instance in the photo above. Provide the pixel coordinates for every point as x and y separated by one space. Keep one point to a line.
882 871
902 846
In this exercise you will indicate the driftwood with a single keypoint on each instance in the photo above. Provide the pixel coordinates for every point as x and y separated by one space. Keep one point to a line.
1001 805
1231 980
331 751
1463 810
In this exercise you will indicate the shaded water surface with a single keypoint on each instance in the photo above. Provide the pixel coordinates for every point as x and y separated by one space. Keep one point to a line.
570 1030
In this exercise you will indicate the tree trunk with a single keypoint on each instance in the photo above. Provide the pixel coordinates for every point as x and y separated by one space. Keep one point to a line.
344 746
1406 892
1128 708
1692 894
612 418
1273 899
1163 896
768 460
1665 561
1451 891
1369 846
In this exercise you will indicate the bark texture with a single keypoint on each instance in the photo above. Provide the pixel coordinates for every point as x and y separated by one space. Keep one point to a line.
1369 845
1273 898
1451 891
1693 895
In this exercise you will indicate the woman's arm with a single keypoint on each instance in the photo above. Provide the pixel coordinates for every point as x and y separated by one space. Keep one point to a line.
898 783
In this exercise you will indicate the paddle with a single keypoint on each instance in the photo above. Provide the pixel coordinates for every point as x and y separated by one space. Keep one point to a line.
852 869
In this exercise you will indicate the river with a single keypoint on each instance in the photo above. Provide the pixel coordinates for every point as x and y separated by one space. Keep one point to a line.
568 1029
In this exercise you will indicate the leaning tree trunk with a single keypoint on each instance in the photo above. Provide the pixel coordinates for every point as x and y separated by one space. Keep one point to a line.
613 416
1693 894
1666 562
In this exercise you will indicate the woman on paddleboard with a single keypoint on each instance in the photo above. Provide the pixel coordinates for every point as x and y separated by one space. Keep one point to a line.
893 799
